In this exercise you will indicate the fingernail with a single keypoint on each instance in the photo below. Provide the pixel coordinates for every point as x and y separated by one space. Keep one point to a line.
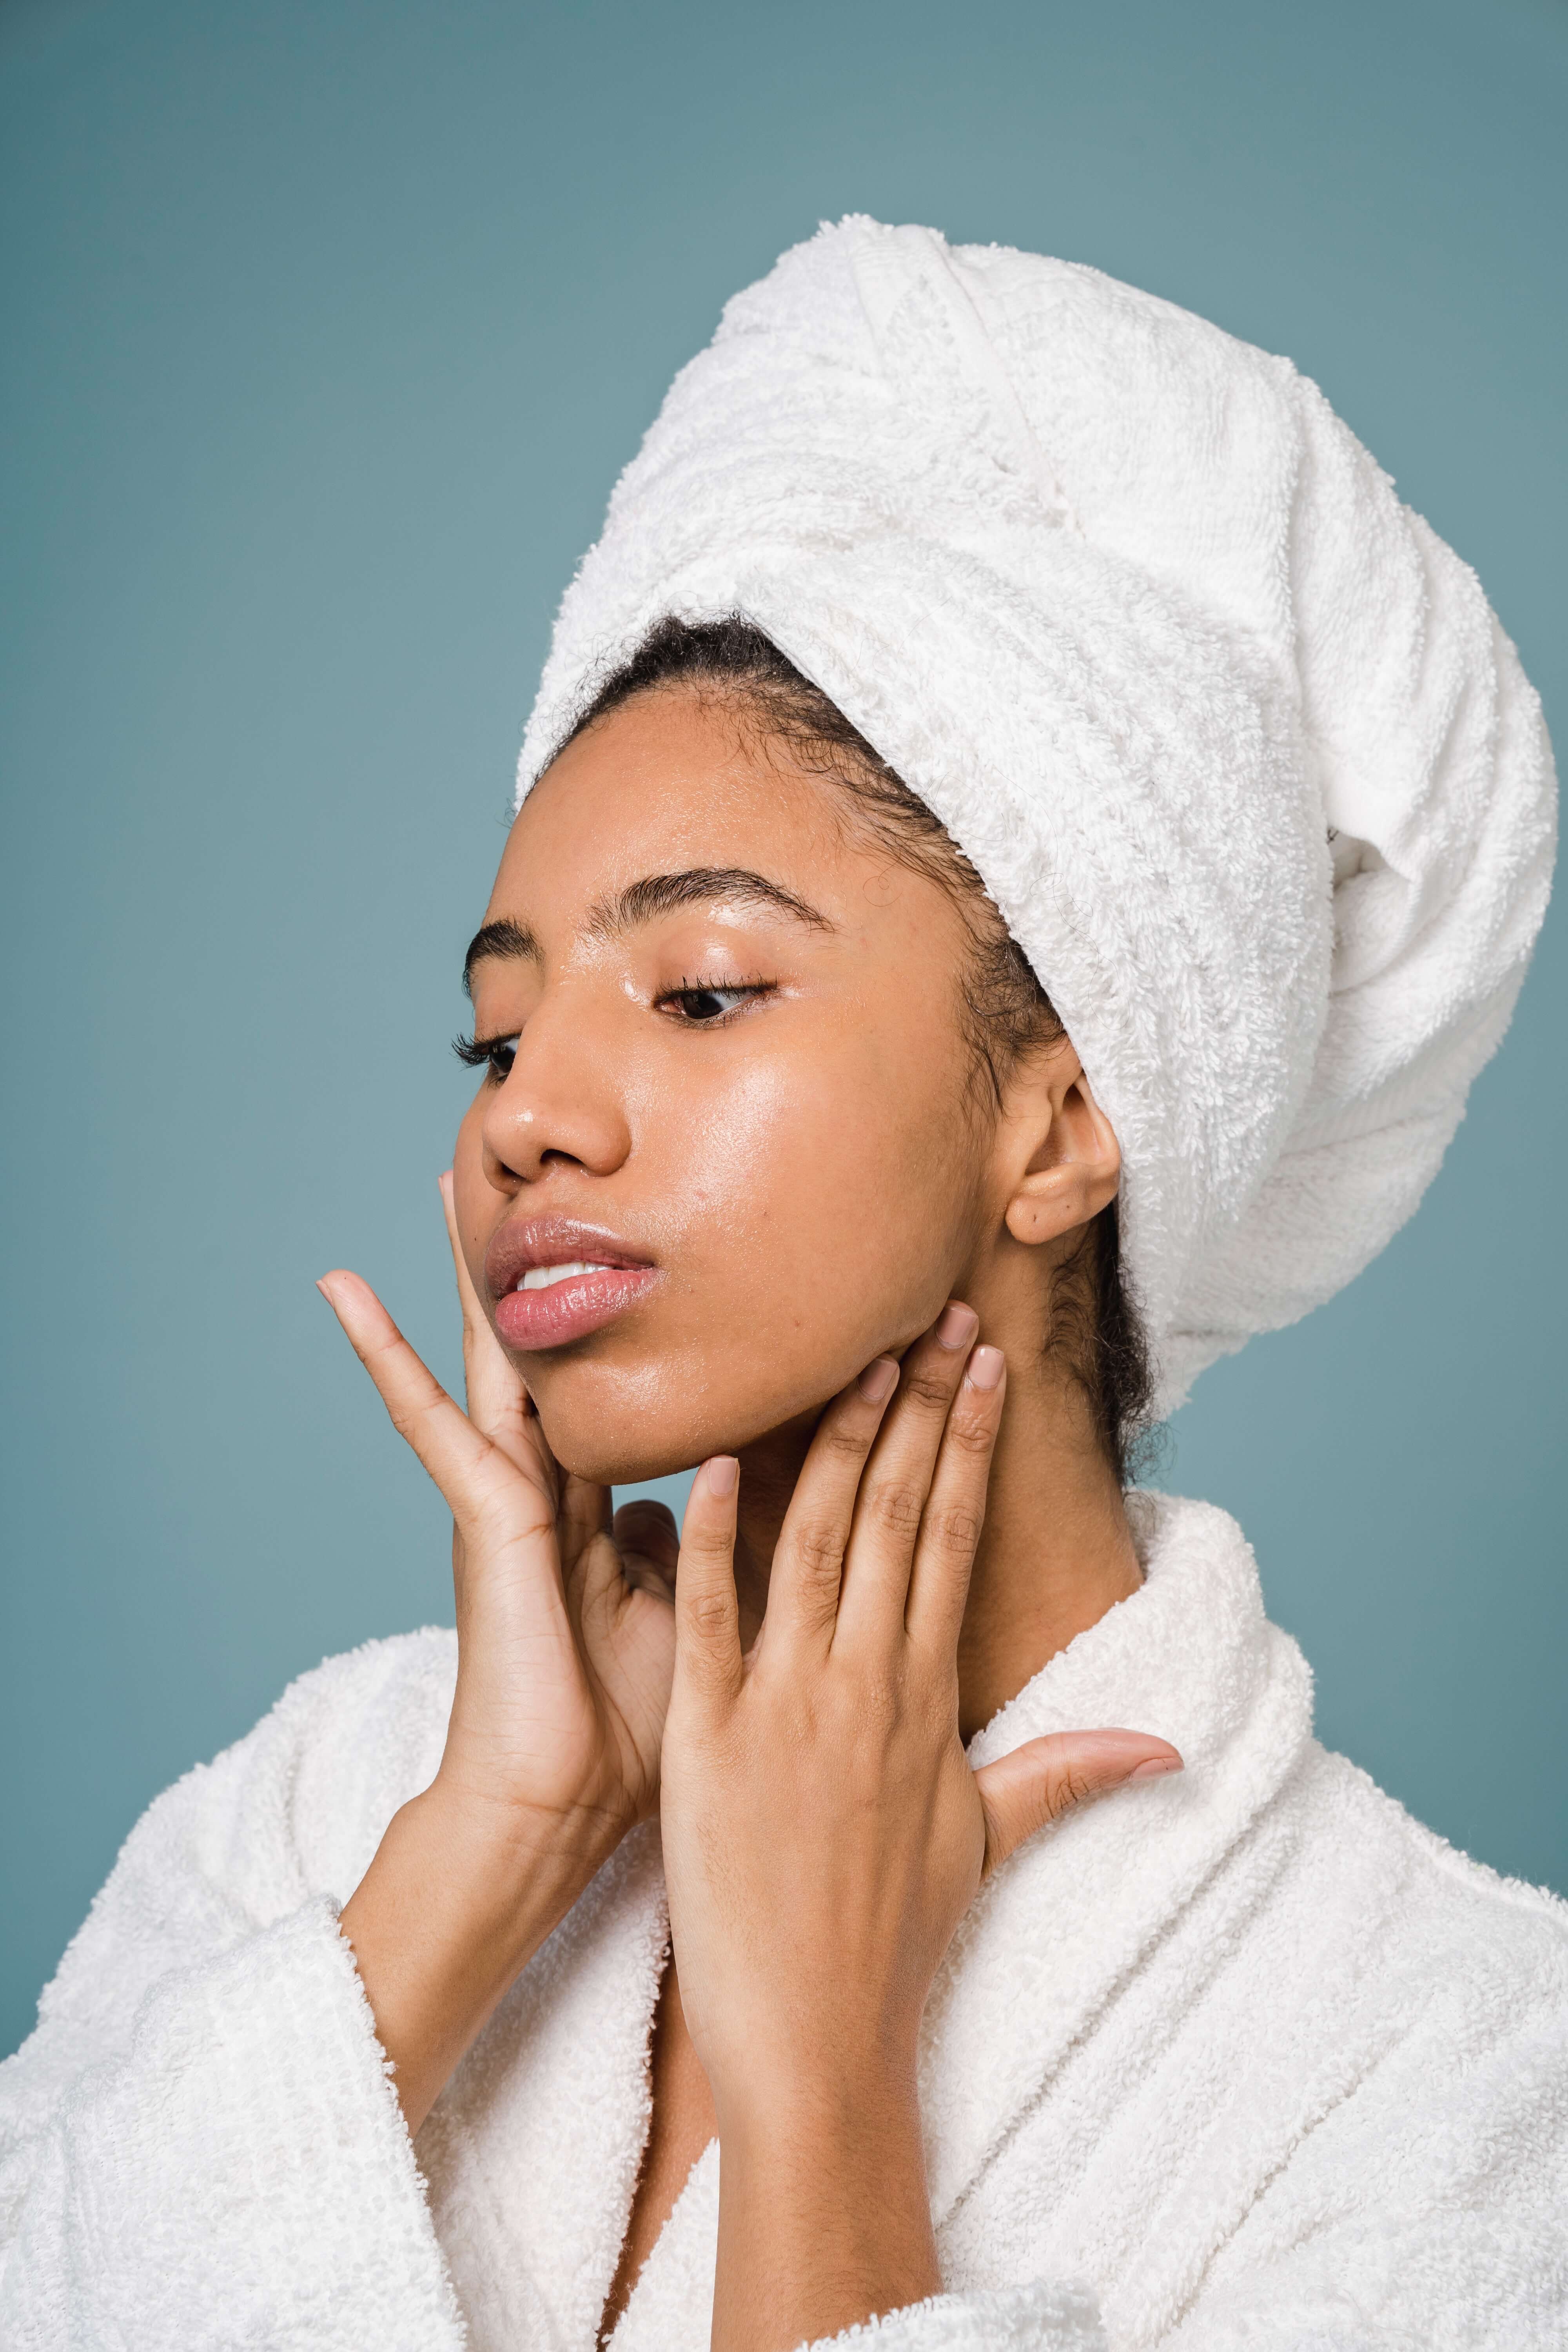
721 1470
1154 1767
958 1325
986 1367
876 1382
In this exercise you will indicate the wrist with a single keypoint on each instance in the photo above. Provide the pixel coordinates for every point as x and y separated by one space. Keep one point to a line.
455 1902
500 1877
521 1854
804 2251
861 2082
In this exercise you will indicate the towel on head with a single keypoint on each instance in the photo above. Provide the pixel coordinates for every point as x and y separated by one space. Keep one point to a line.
1232 738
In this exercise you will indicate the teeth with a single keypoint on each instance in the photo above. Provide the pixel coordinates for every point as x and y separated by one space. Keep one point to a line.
539 1277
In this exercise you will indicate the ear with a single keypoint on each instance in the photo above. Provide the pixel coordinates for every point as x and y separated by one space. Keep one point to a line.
1066 1162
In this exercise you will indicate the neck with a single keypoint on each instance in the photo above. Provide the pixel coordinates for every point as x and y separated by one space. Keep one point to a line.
1056 1551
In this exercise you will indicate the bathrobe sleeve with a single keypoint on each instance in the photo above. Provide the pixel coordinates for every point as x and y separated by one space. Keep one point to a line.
200 2144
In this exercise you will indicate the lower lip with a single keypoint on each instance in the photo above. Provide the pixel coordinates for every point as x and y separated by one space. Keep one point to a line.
563 1311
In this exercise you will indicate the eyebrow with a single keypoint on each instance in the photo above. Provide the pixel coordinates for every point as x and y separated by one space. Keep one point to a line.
644 902
693 885
506 940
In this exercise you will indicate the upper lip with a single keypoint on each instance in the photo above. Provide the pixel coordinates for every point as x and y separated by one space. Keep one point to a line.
552 1241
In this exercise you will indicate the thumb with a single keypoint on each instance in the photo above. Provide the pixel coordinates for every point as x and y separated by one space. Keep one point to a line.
1046 1777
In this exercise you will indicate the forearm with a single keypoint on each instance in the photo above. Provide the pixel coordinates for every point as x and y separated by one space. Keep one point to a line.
824 2213
452 1908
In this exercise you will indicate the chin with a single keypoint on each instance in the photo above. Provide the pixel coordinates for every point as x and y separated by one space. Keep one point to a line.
623 1432
621 1439
610 1457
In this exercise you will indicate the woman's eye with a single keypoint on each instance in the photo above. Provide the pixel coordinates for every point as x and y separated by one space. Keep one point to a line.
494 1055
701 1007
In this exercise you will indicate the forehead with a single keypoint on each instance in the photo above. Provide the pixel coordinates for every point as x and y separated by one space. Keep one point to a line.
668 781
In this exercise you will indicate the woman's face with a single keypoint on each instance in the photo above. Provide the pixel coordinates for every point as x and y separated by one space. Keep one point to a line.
728 1075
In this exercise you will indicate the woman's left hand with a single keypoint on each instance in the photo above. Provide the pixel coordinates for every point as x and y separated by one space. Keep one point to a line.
824 1835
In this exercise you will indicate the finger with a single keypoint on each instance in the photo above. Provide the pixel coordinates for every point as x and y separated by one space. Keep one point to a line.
584 1513
808 1558
497 1401
707 1614
602 1581
468 1297
646 1533
1047 1778
471 1472
955 1507
893 1492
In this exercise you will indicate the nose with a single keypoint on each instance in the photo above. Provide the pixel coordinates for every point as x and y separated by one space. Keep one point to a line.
560 1103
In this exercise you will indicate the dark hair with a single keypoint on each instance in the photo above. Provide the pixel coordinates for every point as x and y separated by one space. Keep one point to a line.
1094 1323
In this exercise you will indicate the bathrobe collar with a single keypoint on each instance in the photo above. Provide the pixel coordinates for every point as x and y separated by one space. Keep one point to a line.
1192 1657
545 2124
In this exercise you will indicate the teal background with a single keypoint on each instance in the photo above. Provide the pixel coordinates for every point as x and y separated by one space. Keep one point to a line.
328 327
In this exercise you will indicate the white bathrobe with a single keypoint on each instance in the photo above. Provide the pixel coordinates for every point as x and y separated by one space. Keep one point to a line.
1244 2058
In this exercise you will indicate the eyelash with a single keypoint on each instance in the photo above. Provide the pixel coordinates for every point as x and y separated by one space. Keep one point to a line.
484 1052
754 990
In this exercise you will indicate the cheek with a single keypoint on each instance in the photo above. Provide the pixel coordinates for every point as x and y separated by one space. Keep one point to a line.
827 1190
812 1205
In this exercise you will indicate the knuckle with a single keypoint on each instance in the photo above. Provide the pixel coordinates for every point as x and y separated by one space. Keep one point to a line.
970 1434
955 1527
710 1615
840 1439
818 1571
896 1509
818 1551
928 1391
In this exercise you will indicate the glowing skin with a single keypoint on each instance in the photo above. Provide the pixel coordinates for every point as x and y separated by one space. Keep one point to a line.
790 1169
730 1194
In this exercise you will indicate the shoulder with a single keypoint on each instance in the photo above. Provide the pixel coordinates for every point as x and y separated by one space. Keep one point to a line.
294 1809
1448 1908
357 1736
367 1712
1418 2004
1448 1981
302 1800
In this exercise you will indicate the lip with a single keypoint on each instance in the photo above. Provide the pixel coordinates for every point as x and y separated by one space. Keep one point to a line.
529 1320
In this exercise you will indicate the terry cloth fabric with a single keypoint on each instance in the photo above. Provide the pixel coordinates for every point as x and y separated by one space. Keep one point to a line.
1233 740
1243 2061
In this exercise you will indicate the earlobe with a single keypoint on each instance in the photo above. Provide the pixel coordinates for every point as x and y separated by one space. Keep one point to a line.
1052 1201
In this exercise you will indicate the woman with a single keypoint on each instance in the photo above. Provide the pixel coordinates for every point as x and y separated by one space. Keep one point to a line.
1022 846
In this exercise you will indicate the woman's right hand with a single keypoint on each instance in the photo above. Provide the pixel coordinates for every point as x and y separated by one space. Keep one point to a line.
565 1651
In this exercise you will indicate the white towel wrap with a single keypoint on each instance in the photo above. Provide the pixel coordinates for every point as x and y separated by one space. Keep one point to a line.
1233 740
